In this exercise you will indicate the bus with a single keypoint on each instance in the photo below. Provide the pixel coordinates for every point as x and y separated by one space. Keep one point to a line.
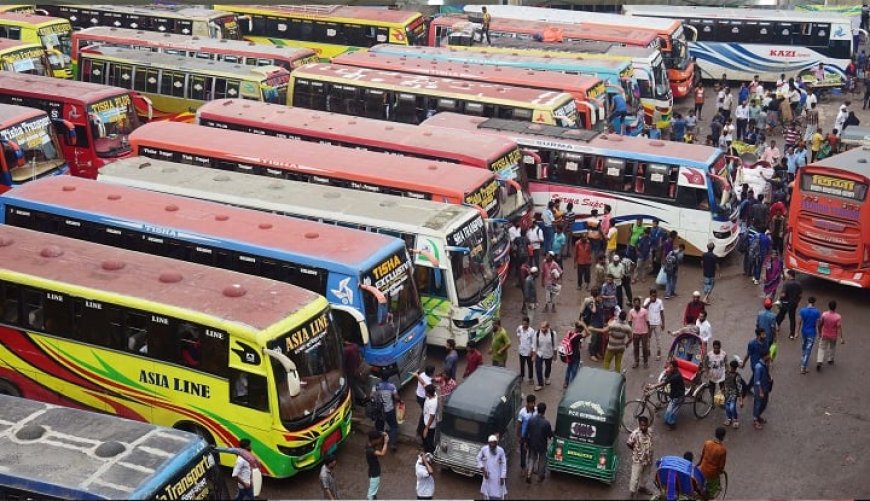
672 35
30 146
93 120
221 354
225 50
407 98
589 92
742 43
499 155
366 277
328 29
177 19
684 186
458 289
178 85
829 232
86 455
617 74
52 33
21 9
28 58
649 71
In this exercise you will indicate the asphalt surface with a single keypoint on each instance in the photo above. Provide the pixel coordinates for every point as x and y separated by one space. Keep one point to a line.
814 446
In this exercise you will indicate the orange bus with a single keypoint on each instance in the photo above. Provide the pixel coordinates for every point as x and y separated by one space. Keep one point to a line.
829 220
589 92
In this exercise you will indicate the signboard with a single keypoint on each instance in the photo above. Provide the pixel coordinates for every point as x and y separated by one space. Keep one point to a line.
29 134
486 197
390 275
834 186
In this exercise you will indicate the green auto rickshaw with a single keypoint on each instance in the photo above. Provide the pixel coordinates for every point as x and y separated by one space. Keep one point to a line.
587 425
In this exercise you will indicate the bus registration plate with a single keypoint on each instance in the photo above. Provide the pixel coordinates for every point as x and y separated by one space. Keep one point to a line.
824 268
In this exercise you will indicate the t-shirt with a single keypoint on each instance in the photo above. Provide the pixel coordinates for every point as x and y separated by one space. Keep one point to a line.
327 481
430 408
450 362
385 391
716 365
712 459
678 387
816 142
831 322
525 335
809 317
618 333
792 291
612 233
425 482
372 461
756 349
421 385
583 252
242 472
545 343
499 340
767 321
639 320
708 263
705 330
539 432
473 359
523 417
655 309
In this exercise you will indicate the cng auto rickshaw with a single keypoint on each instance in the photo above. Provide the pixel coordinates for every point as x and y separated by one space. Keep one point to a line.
587 425
485 403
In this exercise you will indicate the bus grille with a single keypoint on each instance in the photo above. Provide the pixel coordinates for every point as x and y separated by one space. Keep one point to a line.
411 361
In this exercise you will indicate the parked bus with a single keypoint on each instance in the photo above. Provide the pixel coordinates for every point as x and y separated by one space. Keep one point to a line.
177 85
672 35
617 74
30 146
684 186
92 120
21 9
177 19
743 43
367 277
589 92
214 352
499 155
458 288
52 33
328 29
400 97
829 232
27 58
649 71
228 51
80 451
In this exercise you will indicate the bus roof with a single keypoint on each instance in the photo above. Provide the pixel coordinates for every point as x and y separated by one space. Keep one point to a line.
210 291
855 161
562 16
7 44
11 114
529 134
172 40
312 158
749 14
36 20
55 88
359 130
48 449
567 50
172 62
205 221
280 195
176 11
469 71
349 13
410 82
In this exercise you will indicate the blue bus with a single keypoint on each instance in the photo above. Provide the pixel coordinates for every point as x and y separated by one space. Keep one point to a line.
367 277
52 452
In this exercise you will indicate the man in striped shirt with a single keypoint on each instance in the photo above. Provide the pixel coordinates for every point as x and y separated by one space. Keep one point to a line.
812 121
791 135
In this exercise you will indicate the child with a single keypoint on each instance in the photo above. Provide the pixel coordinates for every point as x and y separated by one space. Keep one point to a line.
691 123
736 390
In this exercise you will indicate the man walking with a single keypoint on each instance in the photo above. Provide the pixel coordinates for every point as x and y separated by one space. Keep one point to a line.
639 318
808 324
789 302
767 320
641 444
388 395
500 344
423 470
712 462
618 337
530 293
762 384
831 326
327 478
539 434
710 267
523 418
493 465
593 319
573 356
243 474
656 315
525 338
694 308
543 349
430 413
583 260
376 448
484 28
755 349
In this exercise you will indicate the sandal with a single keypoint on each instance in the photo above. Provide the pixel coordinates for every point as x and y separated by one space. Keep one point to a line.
757 425
735 424
727 422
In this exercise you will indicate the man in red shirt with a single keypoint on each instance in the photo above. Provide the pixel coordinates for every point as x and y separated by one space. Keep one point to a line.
831 326
694 308
583 260
473 358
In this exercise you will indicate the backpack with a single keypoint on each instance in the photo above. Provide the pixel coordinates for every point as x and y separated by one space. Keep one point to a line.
552 337
565 349
521 245
755 247
375 406
670 263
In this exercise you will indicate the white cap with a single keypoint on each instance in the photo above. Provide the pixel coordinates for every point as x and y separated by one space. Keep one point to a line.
616 257
555 273
696 293
492 438
533 269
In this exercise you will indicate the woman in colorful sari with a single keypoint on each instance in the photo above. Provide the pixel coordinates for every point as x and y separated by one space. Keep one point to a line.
772 273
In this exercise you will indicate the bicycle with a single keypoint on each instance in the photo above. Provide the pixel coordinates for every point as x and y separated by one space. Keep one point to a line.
699 395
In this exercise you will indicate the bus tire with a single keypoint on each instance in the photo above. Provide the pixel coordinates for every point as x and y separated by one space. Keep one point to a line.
197 430
7 388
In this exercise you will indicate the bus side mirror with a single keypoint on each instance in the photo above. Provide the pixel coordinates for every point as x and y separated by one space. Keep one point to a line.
294 385
12 147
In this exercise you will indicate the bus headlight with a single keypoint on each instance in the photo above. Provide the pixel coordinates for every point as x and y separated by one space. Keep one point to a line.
297 451
466 324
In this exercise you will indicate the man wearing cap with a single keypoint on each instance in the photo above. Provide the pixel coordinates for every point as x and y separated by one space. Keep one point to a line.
767 320
694 308
620 279
550 274
493 465
530 293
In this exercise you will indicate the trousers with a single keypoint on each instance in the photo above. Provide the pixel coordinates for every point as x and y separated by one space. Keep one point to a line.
543 368
827 347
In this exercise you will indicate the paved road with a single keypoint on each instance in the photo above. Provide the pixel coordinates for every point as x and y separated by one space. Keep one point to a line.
815 445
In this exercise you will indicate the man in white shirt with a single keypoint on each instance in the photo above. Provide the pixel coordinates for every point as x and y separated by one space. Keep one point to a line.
811 98
656 309
242 473
430 418
525 337
543 350
425 481
741 114
727 103
536 238
705 330
842 115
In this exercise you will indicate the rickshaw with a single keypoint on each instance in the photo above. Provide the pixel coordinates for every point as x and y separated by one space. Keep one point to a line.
678 479
587 425
485 403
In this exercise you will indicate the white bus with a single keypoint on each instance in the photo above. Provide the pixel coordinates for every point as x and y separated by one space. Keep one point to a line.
745 42
452 251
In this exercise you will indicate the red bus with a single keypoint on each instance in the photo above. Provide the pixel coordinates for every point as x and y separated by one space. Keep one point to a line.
102 117
589 92
29 146
829 220
500 155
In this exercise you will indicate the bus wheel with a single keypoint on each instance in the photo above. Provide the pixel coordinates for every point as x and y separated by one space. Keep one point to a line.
197 430
7 388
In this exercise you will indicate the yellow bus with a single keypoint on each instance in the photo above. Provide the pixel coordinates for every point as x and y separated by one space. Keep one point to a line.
22 57
222 354
329 30
21 9
178 85
54 34
411 98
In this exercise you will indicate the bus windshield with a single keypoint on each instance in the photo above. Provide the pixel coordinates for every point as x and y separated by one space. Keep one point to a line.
721 195
28 61
228 28
37 144
393 278
315 350
471 261
112 120
416 32
275 87
660 74
58 37
679 56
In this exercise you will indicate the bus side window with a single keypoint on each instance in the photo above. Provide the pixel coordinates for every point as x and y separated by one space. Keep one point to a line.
693 198
136 333
190 344
57 314
249 390
11 32
427 283
226 88
200 88
90 323
163 343
355 35
348 99
570 172
121 75
640 178
628 176
373 104
93 71
9 295
406 109
34 317
347 325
